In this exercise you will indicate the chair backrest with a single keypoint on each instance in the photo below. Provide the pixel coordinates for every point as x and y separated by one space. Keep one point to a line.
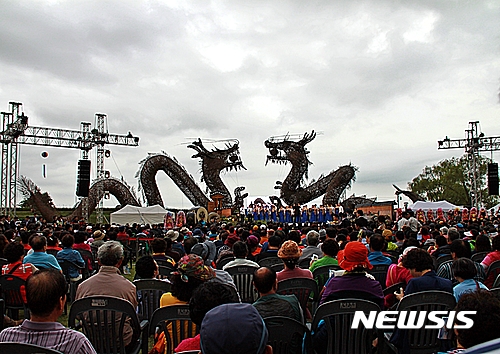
394 287
321 274
338 316
220 264
287 335
441 259
175 317
149 292
3 262
270 262
103 319
2 312
52 251
379 272
10 286
496 283
491 275
302 288
304 263
89 260
426 340
243 277
23 348
479 256
165 271
496 292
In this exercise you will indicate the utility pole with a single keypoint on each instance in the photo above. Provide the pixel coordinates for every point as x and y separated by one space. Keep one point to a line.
15 130
474 143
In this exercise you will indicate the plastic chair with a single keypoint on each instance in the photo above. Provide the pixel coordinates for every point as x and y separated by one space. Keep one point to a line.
379 272
73 285
177 319
479 256
441 259
496 292
394 287
2 312
304 263
322 274
338 316
89 260
10 287
220 264
287 335
270 262
425 340
243 279
103 318
492 274
149 292
23 348
3 262
52 251
496 283
302 288
164 272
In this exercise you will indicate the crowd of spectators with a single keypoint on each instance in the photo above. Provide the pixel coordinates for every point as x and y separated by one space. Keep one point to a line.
411 249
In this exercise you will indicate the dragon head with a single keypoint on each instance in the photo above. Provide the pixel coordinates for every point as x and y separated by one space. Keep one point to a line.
284 149
221 159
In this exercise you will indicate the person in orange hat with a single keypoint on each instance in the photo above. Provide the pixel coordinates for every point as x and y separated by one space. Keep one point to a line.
290 253
355 283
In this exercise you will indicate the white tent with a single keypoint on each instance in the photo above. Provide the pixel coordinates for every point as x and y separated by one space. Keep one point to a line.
443 204
141 215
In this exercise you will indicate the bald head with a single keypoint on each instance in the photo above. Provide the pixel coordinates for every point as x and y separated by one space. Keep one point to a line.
264 280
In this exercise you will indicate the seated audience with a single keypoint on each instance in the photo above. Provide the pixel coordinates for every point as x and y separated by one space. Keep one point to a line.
230 326
206 297
377 243
490 258
464 272
240 251
397 273
290 253
330 248
459 249
270 303
46 294
39 258
146 268
70 255
312 241
159 247
109 281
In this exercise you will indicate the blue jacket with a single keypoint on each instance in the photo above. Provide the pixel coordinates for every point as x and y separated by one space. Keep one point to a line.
69 254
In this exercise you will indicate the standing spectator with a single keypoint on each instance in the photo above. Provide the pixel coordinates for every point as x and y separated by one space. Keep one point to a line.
46 293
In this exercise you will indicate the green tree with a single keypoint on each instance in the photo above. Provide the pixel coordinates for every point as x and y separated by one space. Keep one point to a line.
449 180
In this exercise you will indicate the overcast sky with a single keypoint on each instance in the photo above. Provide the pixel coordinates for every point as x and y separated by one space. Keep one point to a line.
382 81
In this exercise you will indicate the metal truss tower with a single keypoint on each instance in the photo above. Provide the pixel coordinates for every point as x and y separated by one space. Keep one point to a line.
474 143
15 130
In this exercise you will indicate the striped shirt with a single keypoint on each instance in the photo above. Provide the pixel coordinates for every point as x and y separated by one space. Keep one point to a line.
52 335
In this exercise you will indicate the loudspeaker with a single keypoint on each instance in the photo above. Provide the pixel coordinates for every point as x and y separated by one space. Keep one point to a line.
493 178
83 178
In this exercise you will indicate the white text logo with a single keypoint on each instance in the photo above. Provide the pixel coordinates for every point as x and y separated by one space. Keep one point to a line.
413 319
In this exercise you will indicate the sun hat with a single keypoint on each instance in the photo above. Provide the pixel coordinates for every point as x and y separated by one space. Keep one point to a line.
192 266
289 249
231 328
355 254
173 235
98 235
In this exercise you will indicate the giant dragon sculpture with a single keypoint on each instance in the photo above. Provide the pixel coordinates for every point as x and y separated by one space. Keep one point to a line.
293 189
212 163
122 192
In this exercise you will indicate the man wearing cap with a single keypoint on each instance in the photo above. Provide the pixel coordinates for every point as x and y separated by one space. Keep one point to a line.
234 329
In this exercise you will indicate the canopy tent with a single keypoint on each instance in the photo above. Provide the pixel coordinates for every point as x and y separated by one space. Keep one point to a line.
141 215
443 204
